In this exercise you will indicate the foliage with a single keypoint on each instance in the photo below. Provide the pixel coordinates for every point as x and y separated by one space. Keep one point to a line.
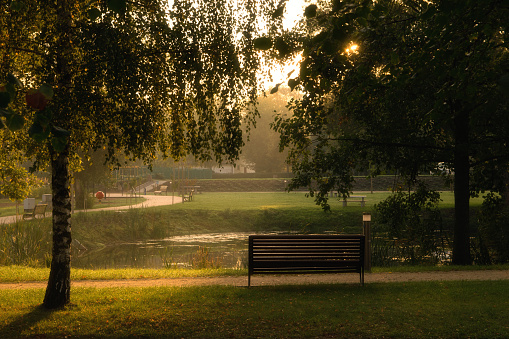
133 77
409 228
17 183
493 232
427 83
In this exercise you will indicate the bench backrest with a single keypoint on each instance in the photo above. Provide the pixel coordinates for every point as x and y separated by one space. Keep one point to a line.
40 209
322 253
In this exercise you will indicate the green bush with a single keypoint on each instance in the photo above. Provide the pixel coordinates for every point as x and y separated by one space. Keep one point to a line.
491 244
409 229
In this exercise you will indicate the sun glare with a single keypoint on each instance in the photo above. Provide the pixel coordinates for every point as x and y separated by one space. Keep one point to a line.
352 48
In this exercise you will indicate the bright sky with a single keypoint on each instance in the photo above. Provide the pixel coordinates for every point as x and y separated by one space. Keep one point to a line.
294 11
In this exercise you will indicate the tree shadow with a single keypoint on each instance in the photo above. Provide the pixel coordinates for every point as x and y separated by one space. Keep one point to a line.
25 321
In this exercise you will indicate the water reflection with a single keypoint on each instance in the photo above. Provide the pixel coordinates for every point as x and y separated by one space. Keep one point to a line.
230 249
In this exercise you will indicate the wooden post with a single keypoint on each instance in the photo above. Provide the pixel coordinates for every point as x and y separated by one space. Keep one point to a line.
366 230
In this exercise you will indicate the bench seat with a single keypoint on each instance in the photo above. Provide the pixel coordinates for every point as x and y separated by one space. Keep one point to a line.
303 254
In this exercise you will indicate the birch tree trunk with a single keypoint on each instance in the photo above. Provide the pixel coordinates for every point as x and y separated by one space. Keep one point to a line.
59 283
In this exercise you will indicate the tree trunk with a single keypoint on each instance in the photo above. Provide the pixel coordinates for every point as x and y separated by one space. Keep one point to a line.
461 244
59 283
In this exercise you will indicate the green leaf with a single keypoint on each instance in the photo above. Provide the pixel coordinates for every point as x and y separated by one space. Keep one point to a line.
275 89
263 43
118 6
394 58
11 78
2 125
59 143
310 11
337 5
38 132
362 21
5 99
15 122
429 13
10 89
292 83
16 5
46 90
43 118
504 83
282 47
279 11
93 13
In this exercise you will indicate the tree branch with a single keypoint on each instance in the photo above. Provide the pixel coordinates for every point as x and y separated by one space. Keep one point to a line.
393 144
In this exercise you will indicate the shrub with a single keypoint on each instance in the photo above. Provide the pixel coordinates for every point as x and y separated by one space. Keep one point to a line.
492 241
409 229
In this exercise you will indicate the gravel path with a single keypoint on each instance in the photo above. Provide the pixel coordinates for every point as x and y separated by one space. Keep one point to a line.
150 201
267 280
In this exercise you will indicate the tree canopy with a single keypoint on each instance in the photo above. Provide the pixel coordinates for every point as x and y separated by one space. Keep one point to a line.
402 85
132 77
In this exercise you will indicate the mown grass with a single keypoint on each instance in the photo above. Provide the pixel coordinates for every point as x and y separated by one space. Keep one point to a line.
453 309
15 273
23 273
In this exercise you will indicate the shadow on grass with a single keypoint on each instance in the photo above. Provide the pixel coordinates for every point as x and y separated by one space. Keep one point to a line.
25 321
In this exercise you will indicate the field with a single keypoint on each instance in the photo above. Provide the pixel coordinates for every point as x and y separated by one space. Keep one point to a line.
455 309
390 310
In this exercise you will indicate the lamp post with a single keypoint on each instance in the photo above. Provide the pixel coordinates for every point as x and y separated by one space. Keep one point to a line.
366 229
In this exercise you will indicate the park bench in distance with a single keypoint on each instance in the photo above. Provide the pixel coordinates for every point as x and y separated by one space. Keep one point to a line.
355 198
40 209
294 254
187 196
161 190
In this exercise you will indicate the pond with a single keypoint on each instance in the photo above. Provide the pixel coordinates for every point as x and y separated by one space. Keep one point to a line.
228 250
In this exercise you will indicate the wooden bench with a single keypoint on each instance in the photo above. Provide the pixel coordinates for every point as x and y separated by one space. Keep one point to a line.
357 198
161 190
187 196
40 209
294 254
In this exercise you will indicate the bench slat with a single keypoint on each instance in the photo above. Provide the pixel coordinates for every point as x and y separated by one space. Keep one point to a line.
290 254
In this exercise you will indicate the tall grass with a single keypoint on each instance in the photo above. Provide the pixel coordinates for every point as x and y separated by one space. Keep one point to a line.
25 243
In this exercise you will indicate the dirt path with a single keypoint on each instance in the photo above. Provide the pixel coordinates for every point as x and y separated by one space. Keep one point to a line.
280 280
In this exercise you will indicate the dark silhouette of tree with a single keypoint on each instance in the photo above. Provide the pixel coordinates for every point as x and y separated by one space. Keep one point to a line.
427 83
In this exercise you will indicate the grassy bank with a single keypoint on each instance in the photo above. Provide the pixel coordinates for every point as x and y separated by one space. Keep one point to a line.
391 310
208 213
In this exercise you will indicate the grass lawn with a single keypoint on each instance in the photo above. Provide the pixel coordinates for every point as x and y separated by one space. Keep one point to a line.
456 309
471 309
